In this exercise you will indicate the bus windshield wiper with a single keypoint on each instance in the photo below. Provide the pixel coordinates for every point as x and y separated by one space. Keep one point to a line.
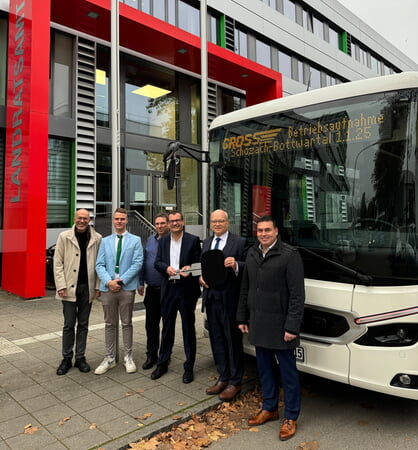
358 277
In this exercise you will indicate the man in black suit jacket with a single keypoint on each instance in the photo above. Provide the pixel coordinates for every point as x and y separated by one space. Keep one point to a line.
221 308
176 252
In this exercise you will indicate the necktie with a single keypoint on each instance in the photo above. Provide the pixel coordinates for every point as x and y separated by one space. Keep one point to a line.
118 251
217 243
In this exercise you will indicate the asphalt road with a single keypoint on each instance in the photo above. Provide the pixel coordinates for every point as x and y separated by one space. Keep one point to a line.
335 416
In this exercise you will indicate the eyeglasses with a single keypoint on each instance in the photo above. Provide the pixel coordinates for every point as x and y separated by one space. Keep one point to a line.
217 221
175 220
83 219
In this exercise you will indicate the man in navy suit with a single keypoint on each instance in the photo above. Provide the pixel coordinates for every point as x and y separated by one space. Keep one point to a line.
221 308
118 263
176 252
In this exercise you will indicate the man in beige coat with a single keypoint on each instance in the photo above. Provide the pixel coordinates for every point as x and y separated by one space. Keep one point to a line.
77 285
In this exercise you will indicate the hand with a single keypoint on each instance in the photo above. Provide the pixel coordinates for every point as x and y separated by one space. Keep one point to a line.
202 282
62 293
171 271
243 327
97 293
184 274
289 337
113 286
141 290
230 262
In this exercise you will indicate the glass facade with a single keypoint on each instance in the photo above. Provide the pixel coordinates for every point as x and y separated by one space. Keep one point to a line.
62 47
151 99
102 86
340 178
59 182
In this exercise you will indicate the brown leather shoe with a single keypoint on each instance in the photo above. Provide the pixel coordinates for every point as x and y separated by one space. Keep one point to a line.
263 416
288 429
217 388
229 392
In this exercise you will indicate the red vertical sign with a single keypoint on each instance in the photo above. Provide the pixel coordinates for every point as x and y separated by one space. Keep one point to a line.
26 162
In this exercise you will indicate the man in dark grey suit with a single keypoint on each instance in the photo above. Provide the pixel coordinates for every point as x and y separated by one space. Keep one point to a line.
177 251
221 307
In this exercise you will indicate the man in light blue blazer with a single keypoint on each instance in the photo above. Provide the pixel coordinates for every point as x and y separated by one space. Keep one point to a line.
118 263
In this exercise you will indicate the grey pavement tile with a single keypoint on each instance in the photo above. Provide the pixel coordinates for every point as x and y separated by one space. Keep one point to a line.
9 408
24 393
85 403
119 426
71 392
57 383
160 393
143 383
102 414
73 426
37 440
13 379
158 412
99 383
40 402
10 428
114 393
86 440
53 414
3 445
132 403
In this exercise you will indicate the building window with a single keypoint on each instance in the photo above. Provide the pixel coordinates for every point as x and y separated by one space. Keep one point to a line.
61 74
189 18
231 101
318 27
307 20
146 6
262 53
103 179
59 182
334 38
158 10
3 60
285 64
375 64
133 3
214 31
241 43
150 99
315 78
289 9
102 86
271 3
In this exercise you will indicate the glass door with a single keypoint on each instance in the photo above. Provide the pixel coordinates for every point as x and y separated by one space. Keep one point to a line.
146 192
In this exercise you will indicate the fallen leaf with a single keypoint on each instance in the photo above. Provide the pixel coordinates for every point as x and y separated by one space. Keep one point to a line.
181 403
253 429
140 391
31 429
144 416
62 421
92 426
311 445
128 394
177 417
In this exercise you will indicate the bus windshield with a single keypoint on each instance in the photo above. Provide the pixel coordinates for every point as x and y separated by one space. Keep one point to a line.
339 178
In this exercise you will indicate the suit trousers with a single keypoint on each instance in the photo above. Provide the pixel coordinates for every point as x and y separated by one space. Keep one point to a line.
77 312
152 319
226 342
175 299
115 305
268 372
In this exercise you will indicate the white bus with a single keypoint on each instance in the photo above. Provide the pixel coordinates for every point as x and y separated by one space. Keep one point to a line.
338 169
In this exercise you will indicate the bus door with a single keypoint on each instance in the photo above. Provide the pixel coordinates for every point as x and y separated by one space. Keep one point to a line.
146 192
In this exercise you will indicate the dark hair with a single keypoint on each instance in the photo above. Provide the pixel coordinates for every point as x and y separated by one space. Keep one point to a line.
173 213
162 215
267 219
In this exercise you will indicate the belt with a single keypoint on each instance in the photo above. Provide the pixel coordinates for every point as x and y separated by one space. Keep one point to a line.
175 281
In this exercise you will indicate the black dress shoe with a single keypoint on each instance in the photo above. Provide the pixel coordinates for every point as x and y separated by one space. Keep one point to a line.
82 365
188 376
64 366
159 372
150 362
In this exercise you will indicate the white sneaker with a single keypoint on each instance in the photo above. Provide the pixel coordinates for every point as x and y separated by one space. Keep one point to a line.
129 364
105 365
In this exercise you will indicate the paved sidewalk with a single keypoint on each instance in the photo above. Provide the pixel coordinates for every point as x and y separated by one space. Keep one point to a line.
83 411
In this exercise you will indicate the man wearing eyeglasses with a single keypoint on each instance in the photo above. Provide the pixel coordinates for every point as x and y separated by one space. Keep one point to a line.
221 304
77 285
176 252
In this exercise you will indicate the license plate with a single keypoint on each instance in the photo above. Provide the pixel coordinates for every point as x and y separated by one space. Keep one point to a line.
300 354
